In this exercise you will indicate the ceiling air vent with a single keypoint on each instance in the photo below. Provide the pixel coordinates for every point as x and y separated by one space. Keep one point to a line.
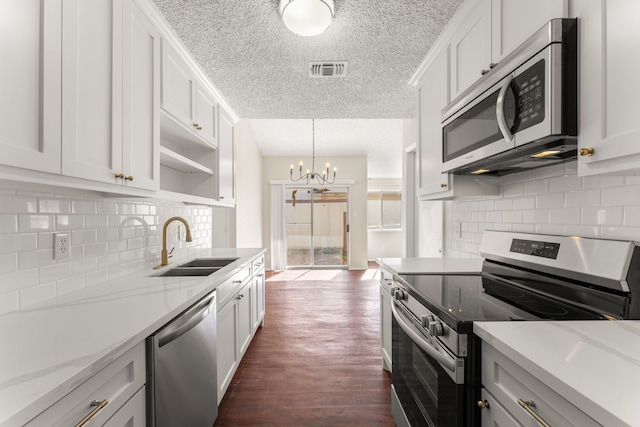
328 69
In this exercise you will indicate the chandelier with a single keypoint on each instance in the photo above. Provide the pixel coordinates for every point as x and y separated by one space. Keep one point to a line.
311 174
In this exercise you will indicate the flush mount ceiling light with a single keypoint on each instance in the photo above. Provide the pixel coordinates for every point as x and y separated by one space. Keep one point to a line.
307 17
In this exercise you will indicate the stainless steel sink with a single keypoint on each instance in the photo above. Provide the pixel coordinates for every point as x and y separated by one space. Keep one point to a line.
208 262
188 271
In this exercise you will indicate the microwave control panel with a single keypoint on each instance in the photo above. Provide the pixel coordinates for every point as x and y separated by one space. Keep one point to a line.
529 90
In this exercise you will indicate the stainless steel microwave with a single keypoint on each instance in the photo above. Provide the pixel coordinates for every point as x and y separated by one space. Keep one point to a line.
522 114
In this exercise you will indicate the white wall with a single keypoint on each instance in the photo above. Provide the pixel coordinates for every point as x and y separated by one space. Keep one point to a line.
349 168
249 198
109 238
551 200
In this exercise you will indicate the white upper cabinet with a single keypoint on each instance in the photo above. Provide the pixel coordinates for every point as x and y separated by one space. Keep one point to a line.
141 98
471 49
226 161
609 87
30 79
432 183
186 99
513 21
109 115
493 29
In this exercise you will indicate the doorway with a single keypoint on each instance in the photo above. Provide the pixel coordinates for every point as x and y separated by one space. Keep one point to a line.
316 227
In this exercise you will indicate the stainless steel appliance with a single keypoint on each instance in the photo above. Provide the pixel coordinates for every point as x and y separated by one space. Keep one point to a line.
182 376
523 113
436 359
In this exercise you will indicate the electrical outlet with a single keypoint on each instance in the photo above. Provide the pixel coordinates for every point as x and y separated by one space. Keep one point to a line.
60 246
457 230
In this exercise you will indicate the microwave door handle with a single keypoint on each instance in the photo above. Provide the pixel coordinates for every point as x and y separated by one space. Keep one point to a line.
500 115
444 361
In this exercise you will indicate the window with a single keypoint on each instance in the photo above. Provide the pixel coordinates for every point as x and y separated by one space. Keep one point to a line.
384 210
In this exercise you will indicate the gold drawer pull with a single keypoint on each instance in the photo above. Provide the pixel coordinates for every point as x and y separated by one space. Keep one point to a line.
99 404
482 404
120 176
528 406
586 151
443 185
128 178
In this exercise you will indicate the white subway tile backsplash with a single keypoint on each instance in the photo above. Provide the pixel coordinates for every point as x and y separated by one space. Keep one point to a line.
108 239
512 216
632 216
8 224
536 187
553 200
8 262
20 242
621 196
18 204
504 204
54 206
611 215
564 216
550 200
27 223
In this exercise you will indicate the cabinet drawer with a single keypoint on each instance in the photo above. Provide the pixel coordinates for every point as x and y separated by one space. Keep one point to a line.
116 384
132 414
232 285
494 415
257 264
508 382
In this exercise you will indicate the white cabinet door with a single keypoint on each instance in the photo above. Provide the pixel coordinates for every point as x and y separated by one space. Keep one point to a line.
494 414
141 100
226 161
432 97
516 20
178 86
92 89
245 324
609 34
385 327
227 346
206 115
257 300
470 49
132 414
30 83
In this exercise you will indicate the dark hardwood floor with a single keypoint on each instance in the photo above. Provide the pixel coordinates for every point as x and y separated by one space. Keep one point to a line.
316 362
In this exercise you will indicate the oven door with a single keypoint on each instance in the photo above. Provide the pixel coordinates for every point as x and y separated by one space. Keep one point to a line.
428 381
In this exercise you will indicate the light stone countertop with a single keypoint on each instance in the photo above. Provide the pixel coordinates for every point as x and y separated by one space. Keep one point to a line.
49 349
595 365
431 265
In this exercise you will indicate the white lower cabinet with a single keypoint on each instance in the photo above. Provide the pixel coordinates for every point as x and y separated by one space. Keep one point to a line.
385 318
120 385
508 383
240 312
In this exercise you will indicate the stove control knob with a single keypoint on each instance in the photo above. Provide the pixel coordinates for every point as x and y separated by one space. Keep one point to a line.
436 329
399 295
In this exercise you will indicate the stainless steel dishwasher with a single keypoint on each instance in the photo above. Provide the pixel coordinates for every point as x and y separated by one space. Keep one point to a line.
182 376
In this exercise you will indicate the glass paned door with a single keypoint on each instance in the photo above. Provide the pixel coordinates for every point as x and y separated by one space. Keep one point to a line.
316 227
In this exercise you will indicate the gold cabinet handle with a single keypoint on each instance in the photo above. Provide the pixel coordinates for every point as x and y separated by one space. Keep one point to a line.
119 176
586 151
443 185
98 406
482 404
128 178
197 126
528 406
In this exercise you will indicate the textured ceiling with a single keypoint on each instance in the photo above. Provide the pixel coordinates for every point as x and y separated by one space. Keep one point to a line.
260 67
261 70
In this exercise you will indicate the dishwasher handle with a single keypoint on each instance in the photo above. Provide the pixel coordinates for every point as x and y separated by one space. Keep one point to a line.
187 320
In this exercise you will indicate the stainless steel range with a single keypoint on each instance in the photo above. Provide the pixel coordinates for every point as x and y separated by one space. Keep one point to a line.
436 358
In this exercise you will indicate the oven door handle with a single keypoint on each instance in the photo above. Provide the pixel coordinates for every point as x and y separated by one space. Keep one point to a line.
443 360
500 114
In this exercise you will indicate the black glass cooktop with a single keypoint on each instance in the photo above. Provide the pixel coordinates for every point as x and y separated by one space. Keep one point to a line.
460 300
